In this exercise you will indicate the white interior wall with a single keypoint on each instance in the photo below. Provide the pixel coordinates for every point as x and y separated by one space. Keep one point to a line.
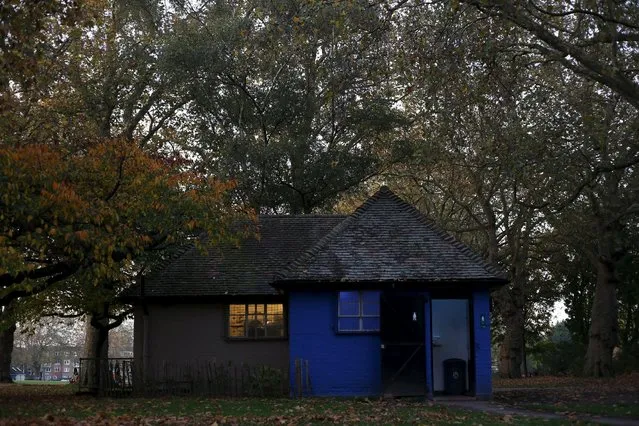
451 337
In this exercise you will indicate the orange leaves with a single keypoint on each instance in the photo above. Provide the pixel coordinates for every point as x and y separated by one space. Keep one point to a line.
101 206
82 235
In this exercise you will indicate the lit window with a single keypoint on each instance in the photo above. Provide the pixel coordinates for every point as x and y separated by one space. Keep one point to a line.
358 311
256 321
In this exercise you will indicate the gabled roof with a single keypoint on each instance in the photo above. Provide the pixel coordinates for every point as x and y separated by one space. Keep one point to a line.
387 239
245 270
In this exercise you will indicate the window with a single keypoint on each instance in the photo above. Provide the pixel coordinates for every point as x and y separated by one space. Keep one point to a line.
66 369
256 321
67 362
358 311
56 368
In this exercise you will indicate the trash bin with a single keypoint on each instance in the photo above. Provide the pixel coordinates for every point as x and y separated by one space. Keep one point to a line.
454 376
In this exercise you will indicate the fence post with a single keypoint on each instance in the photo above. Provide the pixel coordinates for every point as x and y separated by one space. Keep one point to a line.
298 377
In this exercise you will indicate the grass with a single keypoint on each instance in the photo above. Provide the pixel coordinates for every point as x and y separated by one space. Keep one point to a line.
46 404
42 382
614 396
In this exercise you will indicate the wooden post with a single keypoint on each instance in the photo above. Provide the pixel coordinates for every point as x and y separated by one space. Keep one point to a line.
307 377
298 378
235 378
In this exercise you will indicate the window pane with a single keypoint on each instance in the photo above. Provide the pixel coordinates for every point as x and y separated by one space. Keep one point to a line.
236 325
237 309
256 309
349 309
275 326
275 309
275 320
370 309
349 296
370 323
370 297
255 325
348 324
349 303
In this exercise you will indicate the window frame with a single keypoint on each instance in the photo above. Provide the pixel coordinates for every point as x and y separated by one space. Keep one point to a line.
247 315
360 315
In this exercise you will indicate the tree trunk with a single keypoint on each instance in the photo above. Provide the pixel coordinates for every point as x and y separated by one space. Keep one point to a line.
6 349
510 353
603 325
96 349
96 341
511 301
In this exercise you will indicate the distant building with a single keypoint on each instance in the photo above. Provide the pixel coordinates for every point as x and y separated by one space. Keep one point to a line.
59 362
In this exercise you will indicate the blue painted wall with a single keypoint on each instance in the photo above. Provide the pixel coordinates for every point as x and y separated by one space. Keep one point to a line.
350 364
339 364
483 372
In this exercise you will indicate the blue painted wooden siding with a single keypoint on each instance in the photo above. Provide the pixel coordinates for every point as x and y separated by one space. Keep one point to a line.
349 364
483 372
339 364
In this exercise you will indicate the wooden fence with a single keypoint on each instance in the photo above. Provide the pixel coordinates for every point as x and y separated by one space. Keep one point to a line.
111 377
121 377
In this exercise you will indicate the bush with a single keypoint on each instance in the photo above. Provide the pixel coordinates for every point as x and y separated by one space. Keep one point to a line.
626 360
559 358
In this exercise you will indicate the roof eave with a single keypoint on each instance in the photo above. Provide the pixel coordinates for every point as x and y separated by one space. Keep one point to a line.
400 284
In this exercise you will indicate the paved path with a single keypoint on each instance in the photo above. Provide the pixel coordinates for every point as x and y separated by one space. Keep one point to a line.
500 409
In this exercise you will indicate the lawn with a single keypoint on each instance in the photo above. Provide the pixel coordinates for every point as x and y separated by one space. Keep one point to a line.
617 396
33 404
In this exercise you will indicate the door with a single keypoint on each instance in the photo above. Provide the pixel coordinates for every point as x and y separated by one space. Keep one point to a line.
402 344
451 336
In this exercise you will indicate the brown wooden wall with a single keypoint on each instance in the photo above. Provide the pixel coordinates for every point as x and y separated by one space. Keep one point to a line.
184 333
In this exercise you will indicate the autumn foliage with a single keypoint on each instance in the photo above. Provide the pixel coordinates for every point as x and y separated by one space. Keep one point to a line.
96 210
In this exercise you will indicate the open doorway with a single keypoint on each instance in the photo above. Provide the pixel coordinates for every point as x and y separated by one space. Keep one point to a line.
403 345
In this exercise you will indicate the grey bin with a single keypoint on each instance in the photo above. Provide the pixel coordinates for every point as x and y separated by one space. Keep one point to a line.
454 376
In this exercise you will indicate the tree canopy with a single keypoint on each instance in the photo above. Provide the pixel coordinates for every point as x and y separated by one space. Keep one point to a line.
131 128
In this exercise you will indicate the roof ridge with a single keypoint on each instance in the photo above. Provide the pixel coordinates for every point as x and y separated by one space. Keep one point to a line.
384 191
310 215
311 252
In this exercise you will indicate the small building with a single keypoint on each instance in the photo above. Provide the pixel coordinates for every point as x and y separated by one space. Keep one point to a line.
380 302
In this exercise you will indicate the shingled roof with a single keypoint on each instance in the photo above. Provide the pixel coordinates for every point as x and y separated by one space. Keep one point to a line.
388 240
384 240
247 269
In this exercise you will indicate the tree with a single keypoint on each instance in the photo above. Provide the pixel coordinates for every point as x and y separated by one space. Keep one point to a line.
91 188
294 100
596 40
478 129
93 215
